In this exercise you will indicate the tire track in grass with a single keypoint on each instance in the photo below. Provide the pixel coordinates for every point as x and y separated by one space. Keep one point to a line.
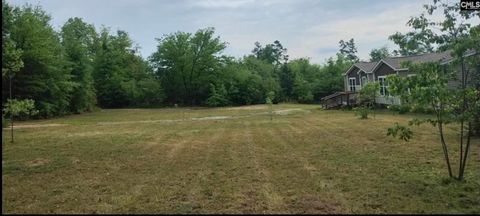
164 143
176 173
355 169
217 184
312 183
202 184
163 156
325 130
160 157
229 172
276 201
190 173
253 202
273 201
241 174
235 172
295 145
191 170
347 145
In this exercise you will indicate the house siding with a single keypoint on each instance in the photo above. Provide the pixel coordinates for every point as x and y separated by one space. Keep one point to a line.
361 74
405 73
345 83
354 74
383 70
457 82
370 77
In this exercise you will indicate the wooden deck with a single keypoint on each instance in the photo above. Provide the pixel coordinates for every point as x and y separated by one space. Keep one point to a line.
339 99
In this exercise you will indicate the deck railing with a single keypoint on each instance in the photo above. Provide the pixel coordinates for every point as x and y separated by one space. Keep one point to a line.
339 99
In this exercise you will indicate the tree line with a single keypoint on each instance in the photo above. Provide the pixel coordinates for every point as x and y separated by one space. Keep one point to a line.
73 70
80 67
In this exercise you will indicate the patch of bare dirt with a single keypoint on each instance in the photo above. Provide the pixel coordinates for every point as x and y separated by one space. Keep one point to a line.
256 107
75 160
142 121
213 118
37 162
289 111
35 126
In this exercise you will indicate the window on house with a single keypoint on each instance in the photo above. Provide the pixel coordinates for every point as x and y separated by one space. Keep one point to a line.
383 85
351 84
364 81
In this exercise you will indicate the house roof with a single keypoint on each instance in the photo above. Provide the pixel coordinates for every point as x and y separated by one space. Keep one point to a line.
366 66
396 62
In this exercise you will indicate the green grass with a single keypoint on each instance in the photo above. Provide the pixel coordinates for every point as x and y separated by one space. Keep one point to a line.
169 160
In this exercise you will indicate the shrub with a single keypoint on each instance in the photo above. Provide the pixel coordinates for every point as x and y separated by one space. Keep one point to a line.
217 97
22 109
401 109
421 109
362 112
403 132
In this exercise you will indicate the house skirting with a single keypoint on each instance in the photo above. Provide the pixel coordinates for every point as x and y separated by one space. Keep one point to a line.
388 100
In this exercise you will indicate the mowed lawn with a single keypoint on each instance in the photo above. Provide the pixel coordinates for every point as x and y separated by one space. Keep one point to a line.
231 160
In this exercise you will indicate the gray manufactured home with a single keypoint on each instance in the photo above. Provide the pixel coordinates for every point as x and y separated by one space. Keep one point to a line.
362 73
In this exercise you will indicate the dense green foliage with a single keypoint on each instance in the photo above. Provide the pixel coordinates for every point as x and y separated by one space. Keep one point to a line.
81 67
20 108
349 49
380 53
186 63
121 77
431 32
366 98
361 112
430 88
78 40
73 70
451 91
43 76
368 93
217 97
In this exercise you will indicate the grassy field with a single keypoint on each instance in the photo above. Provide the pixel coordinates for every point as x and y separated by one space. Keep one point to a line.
231 160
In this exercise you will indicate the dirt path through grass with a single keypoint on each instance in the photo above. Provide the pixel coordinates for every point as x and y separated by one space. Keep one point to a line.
206 118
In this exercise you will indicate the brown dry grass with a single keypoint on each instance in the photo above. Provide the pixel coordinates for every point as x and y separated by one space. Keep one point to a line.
301 162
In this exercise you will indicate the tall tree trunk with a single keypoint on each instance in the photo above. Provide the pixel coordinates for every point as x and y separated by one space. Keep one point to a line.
445 149
462 121
11 114
467 147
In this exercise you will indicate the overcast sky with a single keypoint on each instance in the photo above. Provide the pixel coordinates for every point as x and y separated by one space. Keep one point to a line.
307 28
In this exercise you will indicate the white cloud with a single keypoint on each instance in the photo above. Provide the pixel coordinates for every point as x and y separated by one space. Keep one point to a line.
222 3
307 28
368 30
308 34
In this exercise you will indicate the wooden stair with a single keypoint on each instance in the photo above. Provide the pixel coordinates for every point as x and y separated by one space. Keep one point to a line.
338 99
